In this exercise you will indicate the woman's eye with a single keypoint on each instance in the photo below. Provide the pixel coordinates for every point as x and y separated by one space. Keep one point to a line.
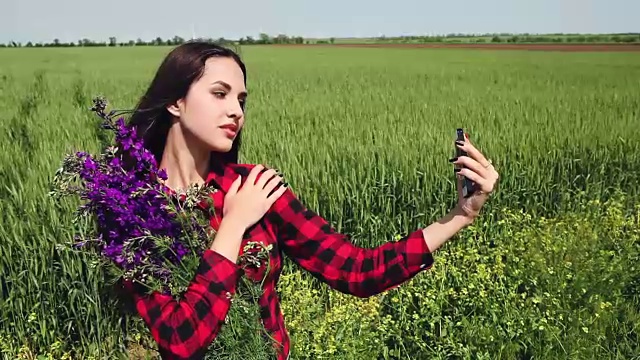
219 94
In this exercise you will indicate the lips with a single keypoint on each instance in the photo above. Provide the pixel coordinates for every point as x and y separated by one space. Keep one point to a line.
230 130
231 127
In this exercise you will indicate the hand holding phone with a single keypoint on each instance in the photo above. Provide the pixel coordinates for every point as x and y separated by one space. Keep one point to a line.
476 177
468 186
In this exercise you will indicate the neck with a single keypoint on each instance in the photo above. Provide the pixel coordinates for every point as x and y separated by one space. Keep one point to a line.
185 161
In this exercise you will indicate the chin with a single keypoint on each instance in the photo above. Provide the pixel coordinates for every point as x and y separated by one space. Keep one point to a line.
222 146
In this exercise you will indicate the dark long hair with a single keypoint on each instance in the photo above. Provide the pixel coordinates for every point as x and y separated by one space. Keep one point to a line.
179 69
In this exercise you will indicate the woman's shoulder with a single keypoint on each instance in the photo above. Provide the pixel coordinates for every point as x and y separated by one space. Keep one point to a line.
243 169
247 166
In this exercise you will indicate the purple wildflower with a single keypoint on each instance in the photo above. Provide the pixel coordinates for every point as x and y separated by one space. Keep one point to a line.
138 230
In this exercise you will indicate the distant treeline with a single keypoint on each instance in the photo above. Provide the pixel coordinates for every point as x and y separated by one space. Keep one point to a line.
265 39
517 38
176 40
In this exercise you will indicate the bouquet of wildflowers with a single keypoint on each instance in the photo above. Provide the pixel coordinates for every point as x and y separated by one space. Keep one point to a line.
135 229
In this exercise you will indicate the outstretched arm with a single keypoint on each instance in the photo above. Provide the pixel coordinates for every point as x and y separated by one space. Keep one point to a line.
444 228
314 244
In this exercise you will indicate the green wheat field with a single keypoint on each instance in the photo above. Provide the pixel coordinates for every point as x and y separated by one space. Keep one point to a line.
550 271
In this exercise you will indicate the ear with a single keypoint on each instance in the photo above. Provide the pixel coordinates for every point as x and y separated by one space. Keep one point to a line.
175 108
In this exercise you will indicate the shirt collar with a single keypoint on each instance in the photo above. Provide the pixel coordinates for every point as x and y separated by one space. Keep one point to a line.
222 174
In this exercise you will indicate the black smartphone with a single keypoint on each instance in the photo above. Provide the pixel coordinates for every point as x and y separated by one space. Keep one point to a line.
468 186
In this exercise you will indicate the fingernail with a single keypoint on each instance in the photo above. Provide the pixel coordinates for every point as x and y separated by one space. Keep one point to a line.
453 159
466 135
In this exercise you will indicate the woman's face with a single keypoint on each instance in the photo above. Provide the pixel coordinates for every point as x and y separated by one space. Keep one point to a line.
211 112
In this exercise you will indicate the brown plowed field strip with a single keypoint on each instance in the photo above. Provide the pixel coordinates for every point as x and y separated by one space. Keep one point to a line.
528 47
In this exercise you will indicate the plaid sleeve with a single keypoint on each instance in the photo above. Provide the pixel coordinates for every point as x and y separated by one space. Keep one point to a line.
331 257
184 329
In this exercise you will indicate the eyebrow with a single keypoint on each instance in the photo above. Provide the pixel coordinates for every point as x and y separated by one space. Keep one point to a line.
228 87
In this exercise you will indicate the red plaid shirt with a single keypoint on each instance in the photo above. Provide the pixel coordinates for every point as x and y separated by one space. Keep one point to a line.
185 329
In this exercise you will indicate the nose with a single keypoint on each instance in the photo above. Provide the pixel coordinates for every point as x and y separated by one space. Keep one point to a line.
234 109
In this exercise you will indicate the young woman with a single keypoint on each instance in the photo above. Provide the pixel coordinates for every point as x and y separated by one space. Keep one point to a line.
191 118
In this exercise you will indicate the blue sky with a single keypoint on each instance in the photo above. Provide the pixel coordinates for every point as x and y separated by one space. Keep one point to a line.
70 20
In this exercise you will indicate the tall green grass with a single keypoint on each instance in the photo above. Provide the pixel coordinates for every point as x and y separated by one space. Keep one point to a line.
363 136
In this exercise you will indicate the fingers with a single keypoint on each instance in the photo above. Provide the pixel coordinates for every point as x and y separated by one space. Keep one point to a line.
469 174
236 184
275 181
475 167
472 164
485 184
276 194
265 177
266 183
474 153
253 174
476 161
